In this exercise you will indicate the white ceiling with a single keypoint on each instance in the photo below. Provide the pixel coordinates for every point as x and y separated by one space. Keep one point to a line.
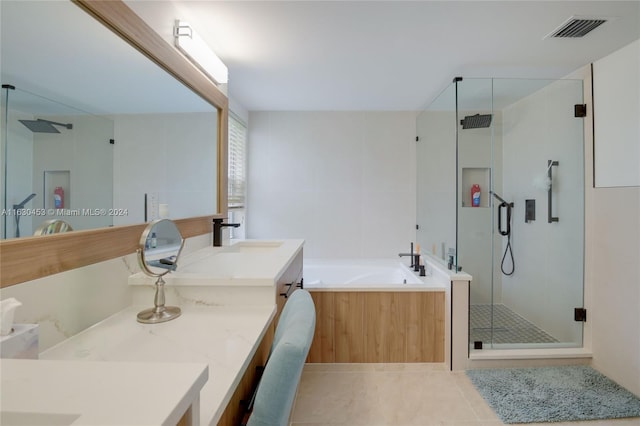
306 55
393 55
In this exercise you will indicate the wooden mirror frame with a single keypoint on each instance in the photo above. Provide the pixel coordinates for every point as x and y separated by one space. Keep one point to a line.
29 258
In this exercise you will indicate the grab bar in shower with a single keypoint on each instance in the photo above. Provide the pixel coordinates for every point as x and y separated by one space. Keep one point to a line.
550 217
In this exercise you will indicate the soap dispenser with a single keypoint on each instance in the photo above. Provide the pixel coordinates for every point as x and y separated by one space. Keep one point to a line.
16 340
7 310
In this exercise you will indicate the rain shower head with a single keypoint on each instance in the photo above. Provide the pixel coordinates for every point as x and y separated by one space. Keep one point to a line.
44 126
476 121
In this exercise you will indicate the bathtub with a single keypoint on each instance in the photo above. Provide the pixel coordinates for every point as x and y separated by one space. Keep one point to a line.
375 310
365 275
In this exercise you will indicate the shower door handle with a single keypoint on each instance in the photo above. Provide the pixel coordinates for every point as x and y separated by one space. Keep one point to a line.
550 217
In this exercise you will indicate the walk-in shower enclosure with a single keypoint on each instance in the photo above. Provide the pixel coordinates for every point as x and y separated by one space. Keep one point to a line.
520 145
49 149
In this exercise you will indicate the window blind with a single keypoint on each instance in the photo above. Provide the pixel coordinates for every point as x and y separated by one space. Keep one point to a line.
237 162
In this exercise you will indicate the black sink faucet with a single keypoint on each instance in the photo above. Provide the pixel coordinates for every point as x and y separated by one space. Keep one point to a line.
217 230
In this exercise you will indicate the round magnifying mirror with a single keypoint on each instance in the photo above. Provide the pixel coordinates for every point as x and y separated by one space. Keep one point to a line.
158 252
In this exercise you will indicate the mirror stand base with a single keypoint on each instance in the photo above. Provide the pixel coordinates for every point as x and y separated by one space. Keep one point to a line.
159 314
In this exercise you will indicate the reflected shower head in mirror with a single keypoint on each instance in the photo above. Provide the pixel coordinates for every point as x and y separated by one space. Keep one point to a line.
476 121
20 206
24 202
44 126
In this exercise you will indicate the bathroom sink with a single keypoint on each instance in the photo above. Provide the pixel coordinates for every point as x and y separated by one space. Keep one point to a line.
222 265
253 247
15 418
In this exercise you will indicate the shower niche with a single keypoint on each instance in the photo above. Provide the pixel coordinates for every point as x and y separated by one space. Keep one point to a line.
57 189
472 176
498 135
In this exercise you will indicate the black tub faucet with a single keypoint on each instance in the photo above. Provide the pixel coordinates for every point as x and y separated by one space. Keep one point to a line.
412 254
217 230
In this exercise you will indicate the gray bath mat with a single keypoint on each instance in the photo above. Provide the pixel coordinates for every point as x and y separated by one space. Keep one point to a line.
553 394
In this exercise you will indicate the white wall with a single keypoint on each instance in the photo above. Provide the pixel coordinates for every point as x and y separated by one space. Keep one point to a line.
615 316
238 110
86 154
173 155
616 90
343 181
66 303
614 269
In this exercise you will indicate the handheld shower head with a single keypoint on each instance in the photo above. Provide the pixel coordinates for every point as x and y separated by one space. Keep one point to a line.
543 180
24 202
20 206
498 197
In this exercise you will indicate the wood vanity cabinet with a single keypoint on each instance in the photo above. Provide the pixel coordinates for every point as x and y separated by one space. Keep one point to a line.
289 281
286 284
235 410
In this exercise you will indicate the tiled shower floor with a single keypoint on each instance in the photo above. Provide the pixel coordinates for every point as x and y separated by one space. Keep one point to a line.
508 327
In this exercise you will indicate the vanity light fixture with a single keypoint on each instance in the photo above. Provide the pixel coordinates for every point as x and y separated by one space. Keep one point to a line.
189 43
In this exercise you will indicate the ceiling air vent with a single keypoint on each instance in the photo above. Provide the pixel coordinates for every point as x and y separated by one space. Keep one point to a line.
576 27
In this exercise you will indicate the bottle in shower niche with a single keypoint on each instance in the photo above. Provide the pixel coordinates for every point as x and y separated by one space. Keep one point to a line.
58 197
475 195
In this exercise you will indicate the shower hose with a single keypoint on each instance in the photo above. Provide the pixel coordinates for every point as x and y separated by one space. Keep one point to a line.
507 233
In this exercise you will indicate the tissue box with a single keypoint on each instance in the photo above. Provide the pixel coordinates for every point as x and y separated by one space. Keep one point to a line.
22 342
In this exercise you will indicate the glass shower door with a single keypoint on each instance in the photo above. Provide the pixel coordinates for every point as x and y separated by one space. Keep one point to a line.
521 147
436 175
52 150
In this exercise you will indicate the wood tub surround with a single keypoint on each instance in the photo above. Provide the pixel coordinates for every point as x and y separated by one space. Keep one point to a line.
378 327
26 259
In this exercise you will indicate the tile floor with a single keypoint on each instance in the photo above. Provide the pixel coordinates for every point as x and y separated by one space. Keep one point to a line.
508 326
398 394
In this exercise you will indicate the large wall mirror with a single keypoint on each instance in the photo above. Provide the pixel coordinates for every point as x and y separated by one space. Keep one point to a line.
109 126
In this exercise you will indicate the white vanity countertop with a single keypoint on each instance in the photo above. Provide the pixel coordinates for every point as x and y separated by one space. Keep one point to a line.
243 263
98 393
224 337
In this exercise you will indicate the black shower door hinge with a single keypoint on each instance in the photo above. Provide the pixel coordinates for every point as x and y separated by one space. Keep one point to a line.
417 138
580 314
580 110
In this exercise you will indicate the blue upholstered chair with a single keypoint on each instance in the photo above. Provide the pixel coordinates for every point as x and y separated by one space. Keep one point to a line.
279 383
299 307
